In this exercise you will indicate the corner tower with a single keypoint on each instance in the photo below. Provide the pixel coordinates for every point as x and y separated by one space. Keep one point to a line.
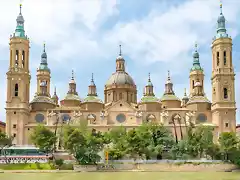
18 84
43 73
196 73
223 77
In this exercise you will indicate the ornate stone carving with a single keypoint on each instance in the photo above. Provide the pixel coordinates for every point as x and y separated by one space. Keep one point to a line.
164 116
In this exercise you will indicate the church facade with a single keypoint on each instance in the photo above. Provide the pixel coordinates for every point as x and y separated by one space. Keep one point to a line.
120 106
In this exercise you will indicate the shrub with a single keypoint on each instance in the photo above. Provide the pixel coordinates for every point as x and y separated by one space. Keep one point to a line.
32 166
59 162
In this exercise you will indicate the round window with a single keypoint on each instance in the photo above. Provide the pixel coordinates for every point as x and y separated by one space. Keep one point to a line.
66 117
202 118
39 118
121 118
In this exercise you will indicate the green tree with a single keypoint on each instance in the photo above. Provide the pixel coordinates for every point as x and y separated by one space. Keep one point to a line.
228 143
116 143
156 138
205 138
5 142
44 139
84 146
135 145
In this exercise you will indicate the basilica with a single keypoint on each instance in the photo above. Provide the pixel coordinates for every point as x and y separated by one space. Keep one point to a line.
120 106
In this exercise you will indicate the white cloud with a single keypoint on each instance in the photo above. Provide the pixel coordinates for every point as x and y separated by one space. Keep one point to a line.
71 27
168 36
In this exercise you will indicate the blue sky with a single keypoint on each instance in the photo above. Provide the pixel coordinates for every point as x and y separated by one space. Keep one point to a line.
84 35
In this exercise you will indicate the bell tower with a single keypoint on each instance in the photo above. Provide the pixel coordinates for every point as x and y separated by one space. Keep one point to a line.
223 77
18 84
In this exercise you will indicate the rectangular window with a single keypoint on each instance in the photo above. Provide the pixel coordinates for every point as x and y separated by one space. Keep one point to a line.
217 58
193 84
16 90
225 93
14 126
226 125
224 58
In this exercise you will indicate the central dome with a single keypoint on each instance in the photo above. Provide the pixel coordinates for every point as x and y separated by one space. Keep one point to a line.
120 78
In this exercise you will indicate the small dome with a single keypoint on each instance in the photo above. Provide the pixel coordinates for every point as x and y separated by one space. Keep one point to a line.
120 78
146 99
195 54
169 97
44 55
54 96
120 58
42 99
20 19
92 99
221 18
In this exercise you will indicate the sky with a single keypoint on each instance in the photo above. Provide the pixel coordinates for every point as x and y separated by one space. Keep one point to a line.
84 36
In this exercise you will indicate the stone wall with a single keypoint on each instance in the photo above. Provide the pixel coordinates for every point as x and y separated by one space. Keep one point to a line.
221 167
164 167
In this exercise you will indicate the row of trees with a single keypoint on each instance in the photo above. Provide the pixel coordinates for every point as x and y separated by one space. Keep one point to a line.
148 141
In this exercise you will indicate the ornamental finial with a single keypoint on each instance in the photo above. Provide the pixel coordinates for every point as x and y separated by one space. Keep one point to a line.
20 6
120 50
72 75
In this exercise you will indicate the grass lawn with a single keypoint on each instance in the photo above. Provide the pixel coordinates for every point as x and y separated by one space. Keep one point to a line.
123 175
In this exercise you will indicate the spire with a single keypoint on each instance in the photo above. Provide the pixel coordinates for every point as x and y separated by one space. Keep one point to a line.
92 81
20 6
19 31
55 90
149 80
148 90
72 85
169 85
43 63
185 92
196 62
220 7
120 50
185 99
44 54
168 78
120 62
72 75
55 97
221 24
92 90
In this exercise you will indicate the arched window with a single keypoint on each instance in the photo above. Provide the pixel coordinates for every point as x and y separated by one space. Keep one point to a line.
225 93
16 57
16 90
193 84
23 58
217 58
224 58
